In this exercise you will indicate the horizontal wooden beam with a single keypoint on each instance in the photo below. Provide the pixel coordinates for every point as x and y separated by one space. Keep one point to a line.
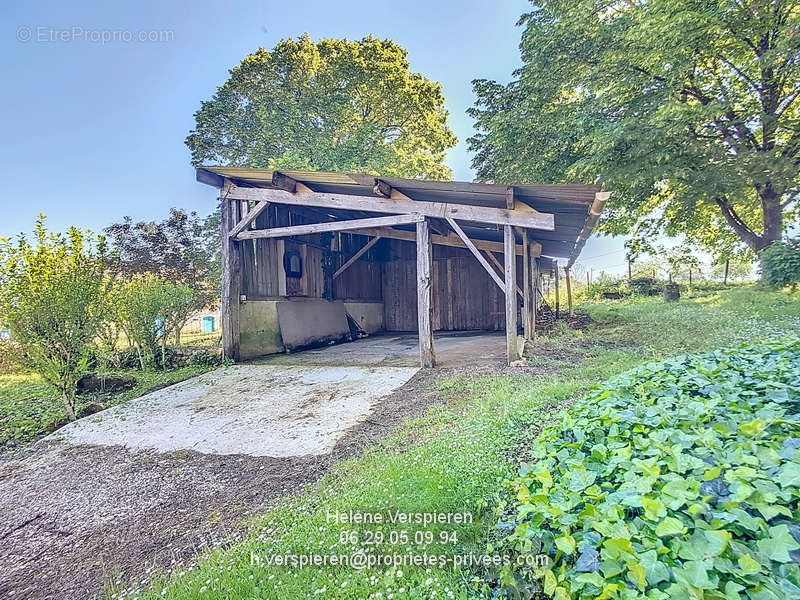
311 228
498 216
451 240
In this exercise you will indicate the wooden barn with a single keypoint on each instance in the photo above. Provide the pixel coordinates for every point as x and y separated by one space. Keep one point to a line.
312 258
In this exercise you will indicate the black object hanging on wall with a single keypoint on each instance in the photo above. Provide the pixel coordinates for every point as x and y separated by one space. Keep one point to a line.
293 263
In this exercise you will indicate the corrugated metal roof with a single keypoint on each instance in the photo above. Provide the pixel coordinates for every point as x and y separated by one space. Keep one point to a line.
575 207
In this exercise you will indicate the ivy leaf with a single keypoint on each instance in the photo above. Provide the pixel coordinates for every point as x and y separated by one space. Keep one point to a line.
653 509
656 570
580 479
670 526
638 575
752 428
695 574
618 548
566 544
588 561
749 565
789 475
779 543
549 582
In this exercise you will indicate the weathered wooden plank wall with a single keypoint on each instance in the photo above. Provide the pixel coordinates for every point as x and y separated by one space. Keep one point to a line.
262 263
464 296
362 280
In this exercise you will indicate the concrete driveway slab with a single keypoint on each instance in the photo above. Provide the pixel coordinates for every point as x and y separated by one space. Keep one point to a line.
258 410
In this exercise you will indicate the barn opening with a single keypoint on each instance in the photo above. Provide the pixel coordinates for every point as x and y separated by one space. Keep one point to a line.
314 258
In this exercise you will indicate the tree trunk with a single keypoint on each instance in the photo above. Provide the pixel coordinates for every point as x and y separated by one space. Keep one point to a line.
178 330
772 217
69 405
555 276
725 278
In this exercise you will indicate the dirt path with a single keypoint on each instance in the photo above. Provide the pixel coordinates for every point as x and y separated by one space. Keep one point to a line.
72 517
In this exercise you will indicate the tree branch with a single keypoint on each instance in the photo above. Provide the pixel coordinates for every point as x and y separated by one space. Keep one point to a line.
747 235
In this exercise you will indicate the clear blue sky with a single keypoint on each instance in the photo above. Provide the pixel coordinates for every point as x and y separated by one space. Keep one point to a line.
94 129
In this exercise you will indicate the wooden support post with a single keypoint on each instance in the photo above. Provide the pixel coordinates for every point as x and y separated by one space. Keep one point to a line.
511 296
231 279
526 286
510 200
555 283
425 293
569 290
534 296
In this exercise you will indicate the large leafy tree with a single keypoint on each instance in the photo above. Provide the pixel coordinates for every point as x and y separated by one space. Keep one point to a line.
331 105
182 250
686 109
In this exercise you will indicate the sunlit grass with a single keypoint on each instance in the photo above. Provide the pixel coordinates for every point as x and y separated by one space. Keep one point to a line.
30 408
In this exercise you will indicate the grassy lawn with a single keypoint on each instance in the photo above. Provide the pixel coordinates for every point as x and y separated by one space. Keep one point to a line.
29 408
454 459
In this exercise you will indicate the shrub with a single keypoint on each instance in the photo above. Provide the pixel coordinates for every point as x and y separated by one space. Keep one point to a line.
644 286
204 358
52 297
678 479
780 263
126 359
148 308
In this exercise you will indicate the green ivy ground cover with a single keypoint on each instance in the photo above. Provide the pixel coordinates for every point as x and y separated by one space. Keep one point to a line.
677 479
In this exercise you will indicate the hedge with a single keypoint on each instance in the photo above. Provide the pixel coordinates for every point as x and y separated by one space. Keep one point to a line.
678 479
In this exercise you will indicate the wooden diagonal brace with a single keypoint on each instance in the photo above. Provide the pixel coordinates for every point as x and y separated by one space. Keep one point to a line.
477 253
248 218
502 267
356 256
